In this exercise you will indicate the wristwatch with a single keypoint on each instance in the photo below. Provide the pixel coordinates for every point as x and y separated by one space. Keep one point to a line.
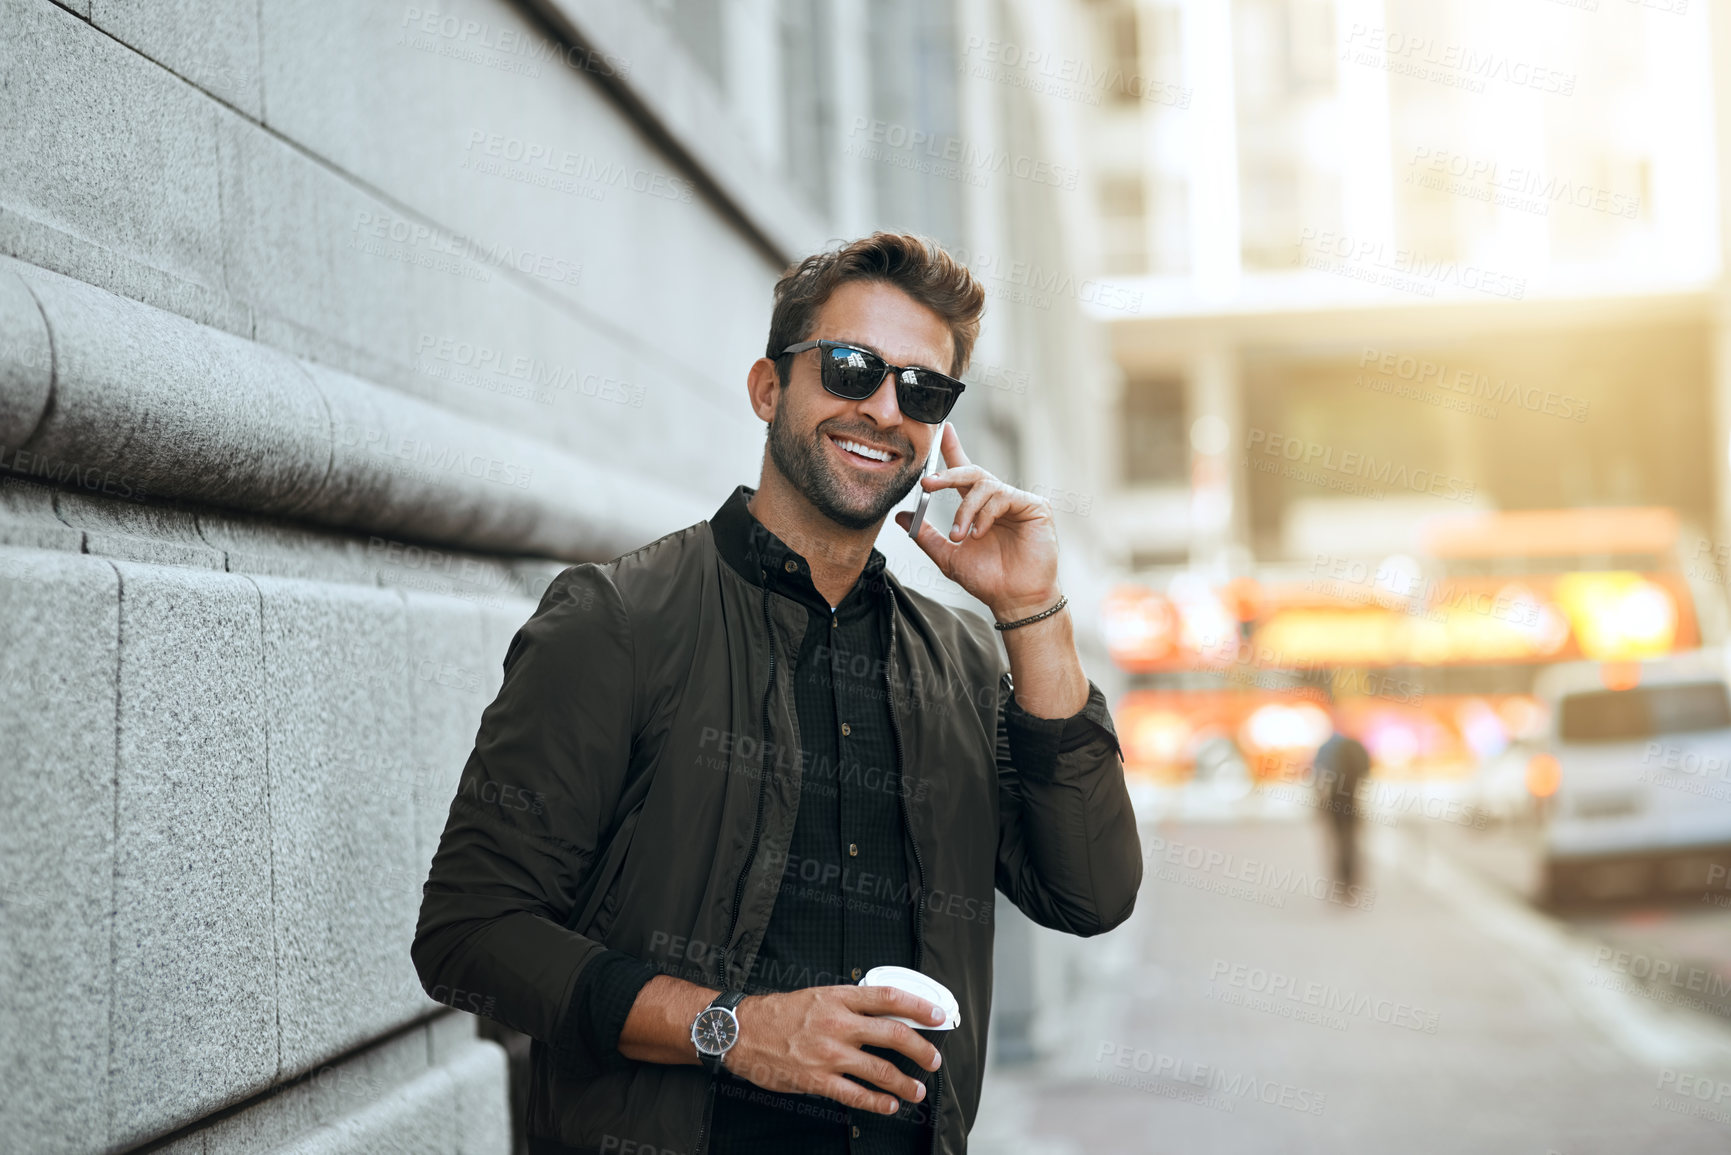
716 1029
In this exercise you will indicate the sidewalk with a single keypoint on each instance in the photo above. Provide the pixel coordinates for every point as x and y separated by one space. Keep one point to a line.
1236 1012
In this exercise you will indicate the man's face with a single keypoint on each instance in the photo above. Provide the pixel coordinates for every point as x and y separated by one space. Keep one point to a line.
815 436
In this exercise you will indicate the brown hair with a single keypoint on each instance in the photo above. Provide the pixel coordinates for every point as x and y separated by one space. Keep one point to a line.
916 265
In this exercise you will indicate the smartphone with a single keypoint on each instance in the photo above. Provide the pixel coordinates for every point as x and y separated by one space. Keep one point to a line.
919 516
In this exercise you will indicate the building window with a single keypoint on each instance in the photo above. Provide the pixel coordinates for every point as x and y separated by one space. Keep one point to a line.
807 121
696 24
912 49
1118 33
1123 225
1272 212
1156 439
1310 47
1170 209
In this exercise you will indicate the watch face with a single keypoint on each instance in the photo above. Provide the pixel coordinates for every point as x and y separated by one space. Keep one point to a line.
715 1030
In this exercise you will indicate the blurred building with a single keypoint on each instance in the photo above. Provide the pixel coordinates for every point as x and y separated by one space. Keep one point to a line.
1419 339
1478 245
330 332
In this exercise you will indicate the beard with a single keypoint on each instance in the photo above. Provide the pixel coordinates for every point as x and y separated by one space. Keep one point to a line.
806 465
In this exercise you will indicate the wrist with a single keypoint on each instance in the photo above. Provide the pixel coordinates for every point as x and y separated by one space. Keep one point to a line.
658 1027
743 1014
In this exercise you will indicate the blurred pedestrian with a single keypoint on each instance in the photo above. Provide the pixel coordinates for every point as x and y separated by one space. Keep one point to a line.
1340 765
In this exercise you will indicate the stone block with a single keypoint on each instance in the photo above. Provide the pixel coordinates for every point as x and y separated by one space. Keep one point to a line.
481 1084
417 1119
438 264
59 656
39 243
27 517
215 46
475 578
449 1034
259 545
293 239
195 1009
103 144
442 665
343 847
155 534
321 1095
459 1106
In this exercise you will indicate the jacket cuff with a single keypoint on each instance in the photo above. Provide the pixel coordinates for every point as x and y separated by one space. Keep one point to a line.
602 1000
1037 742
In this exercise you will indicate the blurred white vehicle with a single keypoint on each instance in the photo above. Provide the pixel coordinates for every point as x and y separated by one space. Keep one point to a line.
1498 791
1641 776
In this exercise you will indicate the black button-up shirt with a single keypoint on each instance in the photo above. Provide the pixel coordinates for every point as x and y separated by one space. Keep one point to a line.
847 894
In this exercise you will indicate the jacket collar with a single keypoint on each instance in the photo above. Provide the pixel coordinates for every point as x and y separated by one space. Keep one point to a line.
761 558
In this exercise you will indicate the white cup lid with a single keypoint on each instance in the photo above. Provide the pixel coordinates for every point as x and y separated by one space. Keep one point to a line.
921 986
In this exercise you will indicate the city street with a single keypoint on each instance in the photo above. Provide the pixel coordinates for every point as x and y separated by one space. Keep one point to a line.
1443 1013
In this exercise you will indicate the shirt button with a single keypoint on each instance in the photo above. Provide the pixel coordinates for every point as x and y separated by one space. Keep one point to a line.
853 849
856 974
790 566
846 729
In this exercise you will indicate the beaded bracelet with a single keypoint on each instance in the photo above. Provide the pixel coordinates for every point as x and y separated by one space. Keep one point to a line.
1063 601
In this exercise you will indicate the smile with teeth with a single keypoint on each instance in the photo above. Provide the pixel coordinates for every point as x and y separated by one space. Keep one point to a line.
865 451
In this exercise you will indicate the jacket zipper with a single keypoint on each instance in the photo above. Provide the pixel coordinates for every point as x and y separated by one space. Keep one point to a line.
919 863
708 1112
724 958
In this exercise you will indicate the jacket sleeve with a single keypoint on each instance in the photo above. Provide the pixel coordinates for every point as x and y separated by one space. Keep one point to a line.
526 827
1068 853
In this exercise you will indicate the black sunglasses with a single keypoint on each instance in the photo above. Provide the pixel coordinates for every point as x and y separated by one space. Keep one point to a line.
854 373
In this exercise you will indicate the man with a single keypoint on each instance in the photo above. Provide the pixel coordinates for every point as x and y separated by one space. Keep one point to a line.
1341 764
763 767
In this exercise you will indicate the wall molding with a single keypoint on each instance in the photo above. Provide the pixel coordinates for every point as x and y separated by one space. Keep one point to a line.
95 384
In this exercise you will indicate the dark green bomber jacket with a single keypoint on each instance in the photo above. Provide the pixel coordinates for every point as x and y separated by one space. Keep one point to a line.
621 795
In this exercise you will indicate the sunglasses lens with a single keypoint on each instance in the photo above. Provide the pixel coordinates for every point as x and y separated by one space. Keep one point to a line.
926 397
852 373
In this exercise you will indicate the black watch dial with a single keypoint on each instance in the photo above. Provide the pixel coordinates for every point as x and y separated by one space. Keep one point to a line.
715 1031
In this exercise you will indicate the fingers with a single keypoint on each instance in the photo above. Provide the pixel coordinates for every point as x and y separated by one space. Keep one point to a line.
970 508
997 502
962 477
893 1036
851 1094
994 508
890 1001
936 547
882 1073
952 447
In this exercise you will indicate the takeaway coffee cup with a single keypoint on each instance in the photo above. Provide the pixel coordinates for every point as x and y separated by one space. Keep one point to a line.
921 986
